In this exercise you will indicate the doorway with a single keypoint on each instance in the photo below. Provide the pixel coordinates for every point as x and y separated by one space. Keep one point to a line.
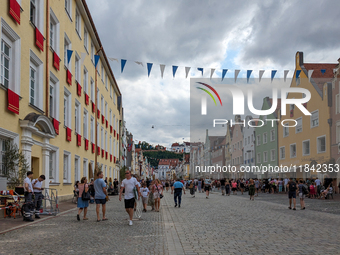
35 167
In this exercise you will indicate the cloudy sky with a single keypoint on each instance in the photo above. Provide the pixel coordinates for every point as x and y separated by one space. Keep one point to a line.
210 34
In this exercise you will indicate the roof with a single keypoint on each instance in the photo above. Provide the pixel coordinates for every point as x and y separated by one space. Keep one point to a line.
318 75
175 144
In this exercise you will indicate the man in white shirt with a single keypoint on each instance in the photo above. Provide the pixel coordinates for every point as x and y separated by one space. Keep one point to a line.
28 206
38 196
129 183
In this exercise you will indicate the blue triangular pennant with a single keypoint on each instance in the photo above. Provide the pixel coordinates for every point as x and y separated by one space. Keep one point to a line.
174 69
297 74
248 74
69 55
273 74
149 65
200 69
122 62
323 71
96 60
224 71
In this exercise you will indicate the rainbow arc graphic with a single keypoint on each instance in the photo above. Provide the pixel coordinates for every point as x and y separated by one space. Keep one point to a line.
204 99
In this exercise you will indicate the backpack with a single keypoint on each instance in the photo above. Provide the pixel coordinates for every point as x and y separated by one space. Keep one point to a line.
292 186
305 190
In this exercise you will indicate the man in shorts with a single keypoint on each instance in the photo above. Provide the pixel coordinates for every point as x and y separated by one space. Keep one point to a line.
100 195
207 184
129 183
292 193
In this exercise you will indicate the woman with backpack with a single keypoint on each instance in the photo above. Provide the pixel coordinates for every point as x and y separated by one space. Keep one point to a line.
82 204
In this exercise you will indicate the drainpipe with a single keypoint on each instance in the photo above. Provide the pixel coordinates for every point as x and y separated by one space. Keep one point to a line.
96 117
47 59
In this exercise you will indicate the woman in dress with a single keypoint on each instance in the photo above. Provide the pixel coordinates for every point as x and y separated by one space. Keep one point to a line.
251 189
312 190
151 201
157 190
82 204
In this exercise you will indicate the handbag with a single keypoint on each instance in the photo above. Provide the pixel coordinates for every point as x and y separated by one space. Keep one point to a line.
86 196
160 195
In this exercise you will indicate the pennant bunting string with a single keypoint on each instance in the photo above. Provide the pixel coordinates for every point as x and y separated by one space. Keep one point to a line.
174 69
285 73
248 74
224 72
122 62
187 69
273 74
261 72
162 70
149 66
212 70
236 74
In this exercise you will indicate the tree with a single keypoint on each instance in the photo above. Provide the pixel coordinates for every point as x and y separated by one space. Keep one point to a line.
15 164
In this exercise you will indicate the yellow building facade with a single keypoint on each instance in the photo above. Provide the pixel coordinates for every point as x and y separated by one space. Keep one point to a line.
308 143
48 104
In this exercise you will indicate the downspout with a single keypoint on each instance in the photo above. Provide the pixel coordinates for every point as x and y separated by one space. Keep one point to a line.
47 59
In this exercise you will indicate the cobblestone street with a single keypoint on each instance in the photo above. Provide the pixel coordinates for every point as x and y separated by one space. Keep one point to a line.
218 225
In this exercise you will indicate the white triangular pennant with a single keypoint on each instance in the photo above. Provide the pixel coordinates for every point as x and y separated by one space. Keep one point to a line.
285 73
261 72
139 63
162 69
187 69
114 59
82 59
212 70
236 74
310 72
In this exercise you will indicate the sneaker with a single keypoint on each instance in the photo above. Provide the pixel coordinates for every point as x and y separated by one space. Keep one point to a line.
130 223
175 205
179 206
78 218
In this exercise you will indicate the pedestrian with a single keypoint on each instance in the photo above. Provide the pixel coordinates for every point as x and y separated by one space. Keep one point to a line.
285 183
227 187
178 187
251 191
82 204
292 193
257 185
199 185
242 186
38 196
318 186
167 186
100 195
207 185
192 188
280 182
151 200
115 186
222 182
302 194
312 190
28 206
202 187
145 194
157 190
129 184
234 187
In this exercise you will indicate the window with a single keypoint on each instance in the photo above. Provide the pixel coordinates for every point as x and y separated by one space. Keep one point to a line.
272 155
314 119
110 91
98 134
10 58
77 68
272 135
105 109
67 108
54 32
293 150
265 156
321 143
2 156
305 148
110 113
67 46
282 152
92 52
86 35
67 167
85 168
264 138
102 138
337 104
298 127
114 96
85 80
92 129
102 72
36 81
106 82
78 23
76 168
85 124
258 141
51 165
92 91
110 145
68 8
285 130
77 121
102 104
54 97
337 132
105 141
33 11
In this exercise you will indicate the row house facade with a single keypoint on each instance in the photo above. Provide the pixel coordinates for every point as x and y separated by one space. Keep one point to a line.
61 111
